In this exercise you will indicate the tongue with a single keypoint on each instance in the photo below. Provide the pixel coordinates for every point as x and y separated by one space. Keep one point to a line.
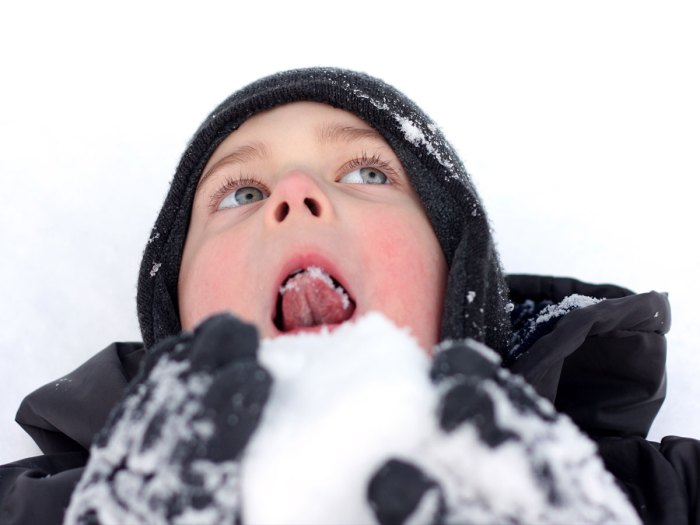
310 298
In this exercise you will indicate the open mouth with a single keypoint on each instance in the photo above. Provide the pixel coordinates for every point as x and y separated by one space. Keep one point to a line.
310 297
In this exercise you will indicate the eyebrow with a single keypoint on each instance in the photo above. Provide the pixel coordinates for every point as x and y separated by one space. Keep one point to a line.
331 133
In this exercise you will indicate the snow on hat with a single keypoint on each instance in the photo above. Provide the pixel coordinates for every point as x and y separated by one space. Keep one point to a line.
476 295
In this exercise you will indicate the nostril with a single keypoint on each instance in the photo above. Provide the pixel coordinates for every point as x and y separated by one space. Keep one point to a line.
282 211
313 207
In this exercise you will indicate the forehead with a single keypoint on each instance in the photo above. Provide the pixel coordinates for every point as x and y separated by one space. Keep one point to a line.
299 114
298 121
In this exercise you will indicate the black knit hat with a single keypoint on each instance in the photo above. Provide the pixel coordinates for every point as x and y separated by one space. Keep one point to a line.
476 295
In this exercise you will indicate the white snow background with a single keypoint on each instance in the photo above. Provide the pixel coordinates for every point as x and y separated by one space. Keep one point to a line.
578 122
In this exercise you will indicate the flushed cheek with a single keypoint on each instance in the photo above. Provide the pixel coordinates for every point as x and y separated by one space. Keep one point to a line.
211 281
407 275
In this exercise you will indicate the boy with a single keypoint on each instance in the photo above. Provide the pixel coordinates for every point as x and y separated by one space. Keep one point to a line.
306 200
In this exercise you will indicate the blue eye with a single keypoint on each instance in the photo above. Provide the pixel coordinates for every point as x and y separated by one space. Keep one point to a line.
243 195
365 176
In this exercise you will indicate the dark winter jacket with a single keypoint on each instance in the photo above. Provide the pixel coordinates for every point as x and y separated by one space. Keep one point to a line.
603 365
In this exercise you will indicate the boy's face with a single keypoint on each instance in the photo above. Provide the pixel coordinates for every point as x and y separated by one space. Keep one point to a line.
307 185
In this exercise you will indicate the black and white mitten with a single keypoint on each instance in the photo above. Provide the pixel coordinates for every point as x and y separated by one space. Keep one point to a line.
501 454
170 451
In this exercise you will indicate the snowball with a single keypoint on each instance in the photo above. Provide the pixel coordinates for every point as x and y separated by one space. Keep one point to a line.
337 403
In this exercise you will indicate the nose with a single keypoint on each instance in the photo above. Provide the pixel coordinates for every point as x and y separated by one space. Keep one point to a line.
297 194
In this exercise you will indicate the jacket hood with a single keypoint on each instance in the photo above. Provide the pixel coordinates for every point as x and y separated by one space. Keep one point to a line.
64 415
604 363
475 299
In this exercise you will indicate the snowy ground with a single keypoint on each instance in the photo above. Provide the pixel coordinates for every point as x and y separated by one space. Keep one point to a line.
579 126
